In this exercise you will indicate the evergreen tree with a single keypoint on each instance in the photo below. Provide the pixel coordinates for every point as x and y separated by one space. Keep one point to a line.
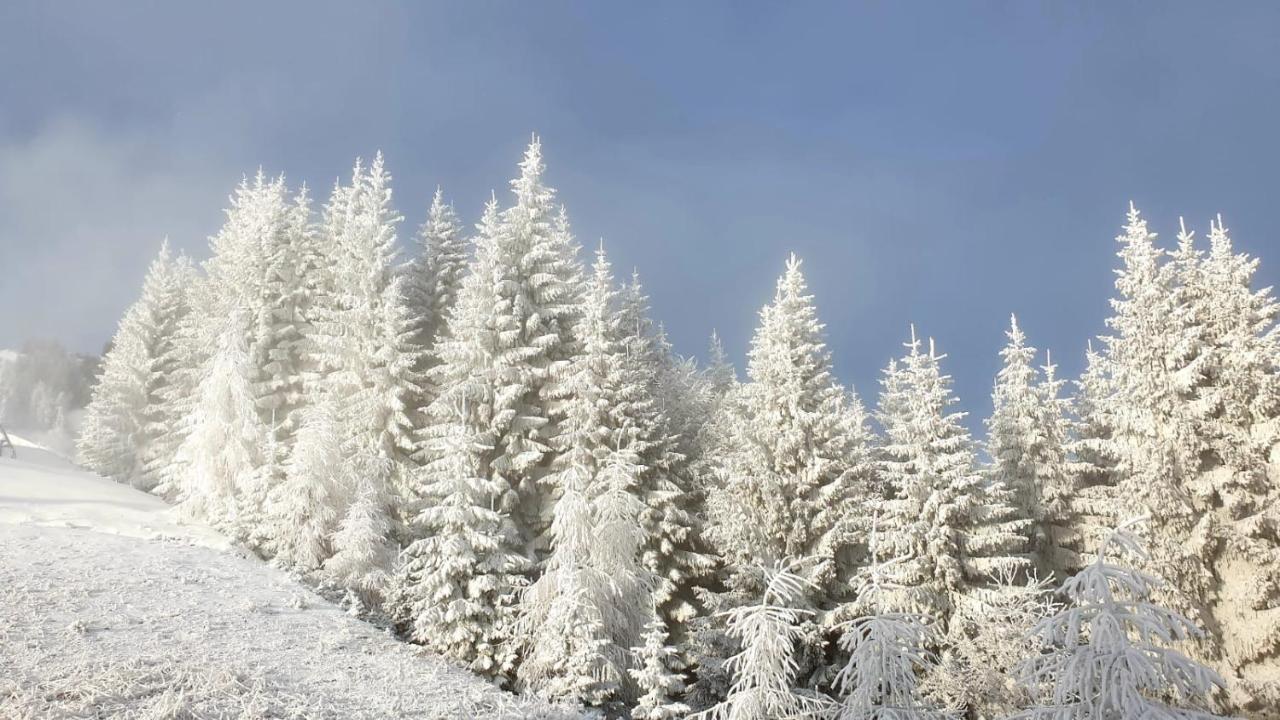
591 602
223 452
1092 459
434 277
120 431
507 346
1026 444
795 473
1152 359
953 527
764 671
304 507
654 388
455 587
720 373
657 677
459 601
1109 652
364 345
362 555
886 651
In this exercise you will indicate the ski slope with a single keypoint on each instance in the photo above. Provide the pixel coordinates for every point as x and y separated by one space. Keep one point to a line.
111 607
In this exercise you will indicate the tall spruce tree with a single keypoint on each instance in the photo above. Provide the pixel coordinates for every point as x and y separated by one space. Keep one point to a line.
795 472
953 526
464 610
1026 443
655 390
120 432
224 451
434 276
588 609
363 342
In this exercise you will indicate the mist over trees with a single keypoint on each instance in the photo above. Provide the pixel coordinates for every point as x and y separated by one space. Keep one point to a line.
490 447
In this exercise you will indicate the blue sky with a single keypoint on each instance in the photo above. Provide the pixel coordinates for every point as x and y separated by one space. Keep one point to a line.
937 163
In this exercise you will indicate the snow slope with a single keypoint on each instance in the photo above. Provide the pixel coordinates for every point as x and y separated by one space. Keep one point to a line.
110 607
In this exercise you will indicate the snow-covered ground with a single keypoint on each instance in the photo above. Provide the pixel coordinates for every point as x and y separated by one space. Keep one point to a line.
110 607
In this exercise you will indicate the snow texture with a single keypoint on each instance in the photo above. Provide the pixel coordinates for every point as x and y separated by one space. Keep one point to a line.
109 606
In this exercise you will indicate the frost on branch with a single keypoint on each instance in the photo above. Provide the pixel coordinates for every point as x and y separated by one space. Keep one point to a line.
1109 654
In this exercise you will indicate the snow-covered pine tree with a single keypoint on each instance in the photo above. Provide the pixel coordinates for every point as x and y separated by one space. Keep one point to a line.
1151 359
542 256
594 573
1237 403
886 649
953 526
1061 477
720 373
291 255
179 362
1240 383
507 345
1110 653
434 276
1092 458
119 432
363 343
362 553
764 671
455 585
189 354
656 675
1025 442
256 274
655 392
794 475
223 452
304 507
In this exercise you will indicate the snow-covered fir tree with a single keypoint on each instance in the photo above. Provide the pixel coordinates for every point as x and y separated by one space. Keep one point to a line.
886 650
120 431
655 393
223 453
1026 442
545 291
764 670
362 554
507 346
455 588
1111 653
434 275
593 574
1092 461
462 602
720 373
1240 484
953 526
796 472
304 507
1149 358
790 475
364 346
657 677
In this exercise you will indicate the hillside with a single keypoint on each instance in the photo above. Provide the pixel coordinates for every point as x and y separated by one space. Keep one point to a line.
109 607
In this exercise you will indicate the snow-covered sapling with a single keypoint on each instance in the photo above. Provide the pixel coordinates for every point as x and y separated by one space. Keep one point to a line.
1109 653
